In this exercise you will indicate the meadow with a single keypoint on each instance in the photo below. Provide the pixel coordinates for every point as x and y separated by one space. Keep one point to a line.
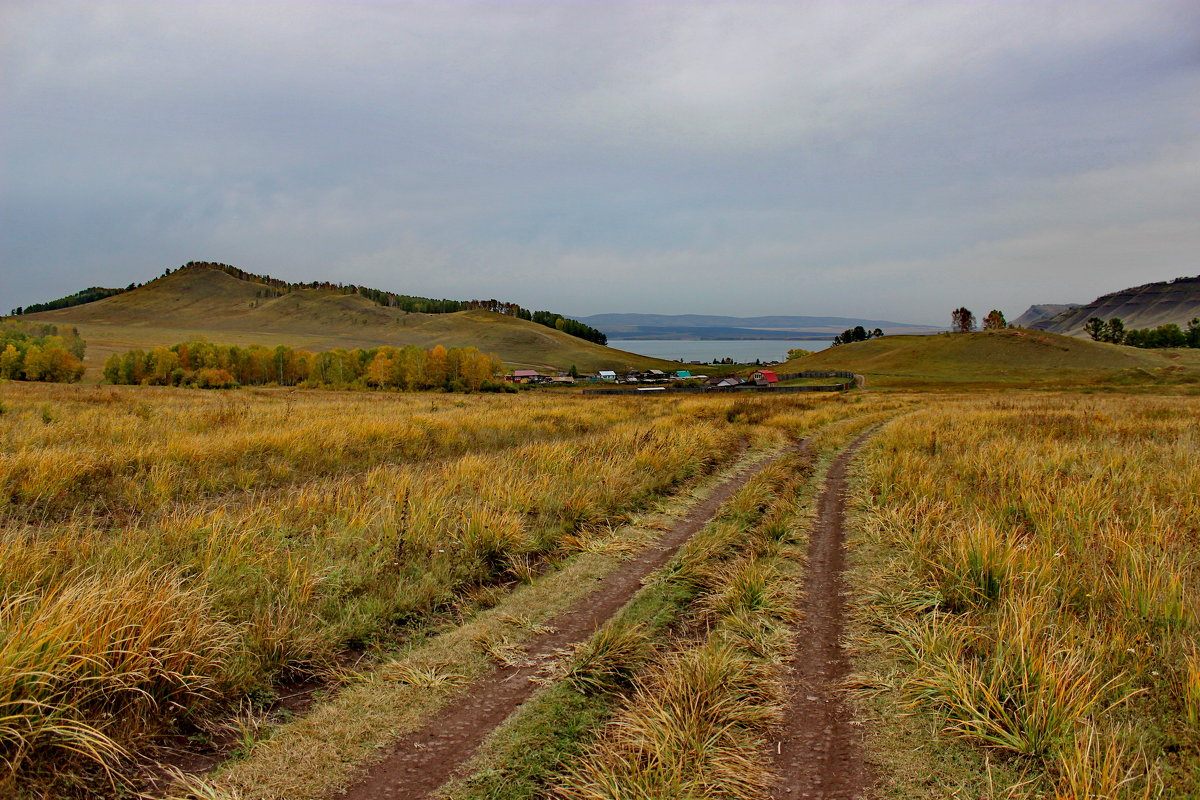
1027 573
169 554
176 563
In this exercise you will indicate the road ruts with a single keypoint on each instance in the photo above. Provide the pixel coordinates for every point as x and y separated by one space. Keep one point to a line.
818 754
420 762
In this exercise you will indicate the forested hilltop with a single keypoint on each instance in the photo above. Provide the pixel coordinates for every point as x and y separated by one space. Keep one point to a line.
89 295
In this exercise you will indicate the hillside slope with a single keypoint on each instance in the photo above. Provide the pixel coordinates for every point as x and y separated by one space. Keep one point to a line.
1146 306
227 310
1005 357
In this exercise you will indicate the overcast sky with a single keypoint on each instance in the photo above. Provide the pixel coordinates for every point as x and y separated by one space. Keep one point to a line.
889 160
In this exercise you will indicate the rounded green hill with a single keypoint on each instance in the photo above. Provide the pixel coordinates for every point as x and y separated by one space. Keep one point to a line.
1012 356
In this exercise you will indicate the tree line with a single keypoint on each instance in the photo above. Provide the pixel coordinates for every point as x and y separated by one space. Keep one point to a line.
856 334
1169 335
205 365
88 295
31 352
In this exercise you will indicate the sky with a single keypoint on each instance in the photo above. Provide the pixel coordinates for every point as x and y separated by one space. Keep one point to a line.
890 160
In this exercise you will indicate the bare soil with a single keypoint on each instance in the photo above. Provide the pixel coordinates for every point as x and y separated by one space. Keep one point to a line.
422 761
819 752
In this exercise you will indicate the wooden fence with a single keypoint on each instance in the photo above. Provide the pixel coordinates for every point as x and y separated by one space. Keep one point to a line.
741 387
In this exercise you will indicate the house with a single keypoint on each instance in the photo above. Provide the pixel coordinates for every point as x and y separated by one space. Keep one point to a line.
563 379
728 382
766 375
683 373
523 376
608 375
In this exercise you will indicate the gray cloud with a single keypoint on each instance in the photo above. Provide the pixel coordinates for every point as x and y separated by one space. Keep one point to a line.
887 159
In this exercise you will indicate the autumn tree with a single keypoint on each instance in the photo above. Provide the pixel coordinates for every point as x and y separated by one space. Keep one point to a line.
11 362
34 363
994 321
379 371
436 367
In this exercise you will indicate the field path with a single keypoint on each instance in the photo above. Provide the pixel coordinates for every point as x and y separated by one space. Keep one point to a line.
818 753
422 761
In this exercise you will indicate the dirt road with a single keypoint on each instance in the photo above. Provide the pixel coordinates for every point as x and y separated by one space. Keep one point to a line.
422 761
819 753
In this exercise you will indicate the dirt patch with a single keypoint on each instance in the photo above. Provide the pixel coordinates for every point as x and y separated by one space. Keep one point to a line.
819 753
422 761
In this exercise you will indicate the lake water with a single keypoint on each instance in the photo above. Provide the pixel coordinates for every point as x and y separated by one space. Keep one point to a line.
743 351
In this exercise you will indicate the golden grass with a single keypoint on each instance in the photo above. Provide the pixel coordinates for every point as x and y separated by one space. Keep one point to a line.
320 752
1030 565
166 550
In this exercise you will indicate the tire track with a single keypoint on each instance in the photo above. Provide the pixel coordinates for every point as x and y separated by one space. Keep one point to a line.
819 752
423 760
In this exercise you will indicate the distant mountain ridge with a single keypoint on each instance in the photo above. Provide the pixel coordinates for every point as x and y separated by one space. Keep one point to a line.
711 326
1145 306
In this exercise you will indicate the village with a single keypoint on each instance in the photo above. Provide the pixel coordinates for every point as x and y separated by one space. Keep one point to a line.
643 378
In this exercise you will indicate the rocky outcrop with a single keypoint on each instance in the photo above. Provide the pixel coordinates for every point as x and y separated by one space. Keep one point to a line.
1041 312
1145 306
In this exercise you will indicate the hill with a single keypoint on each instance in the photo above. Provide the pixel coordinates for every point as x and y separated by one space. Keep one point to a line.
708 326
1006 357
1146 306
226 309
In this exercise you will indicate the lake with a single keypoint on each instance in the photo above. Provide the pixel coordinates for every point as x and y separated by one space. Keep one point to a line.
743 351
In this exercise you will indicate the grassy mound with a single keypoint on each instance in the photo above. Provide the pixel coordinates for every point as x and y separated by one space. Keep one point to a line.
1006 357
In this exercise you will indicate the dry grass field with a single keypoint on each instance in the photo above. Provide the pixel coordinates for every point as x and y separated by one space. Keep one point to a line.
171 553
177 564
1027 584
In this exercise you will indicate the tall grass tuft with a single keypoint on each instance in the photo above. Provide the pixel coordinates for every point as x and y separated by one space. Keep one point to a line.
691 731
83 665
608 661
